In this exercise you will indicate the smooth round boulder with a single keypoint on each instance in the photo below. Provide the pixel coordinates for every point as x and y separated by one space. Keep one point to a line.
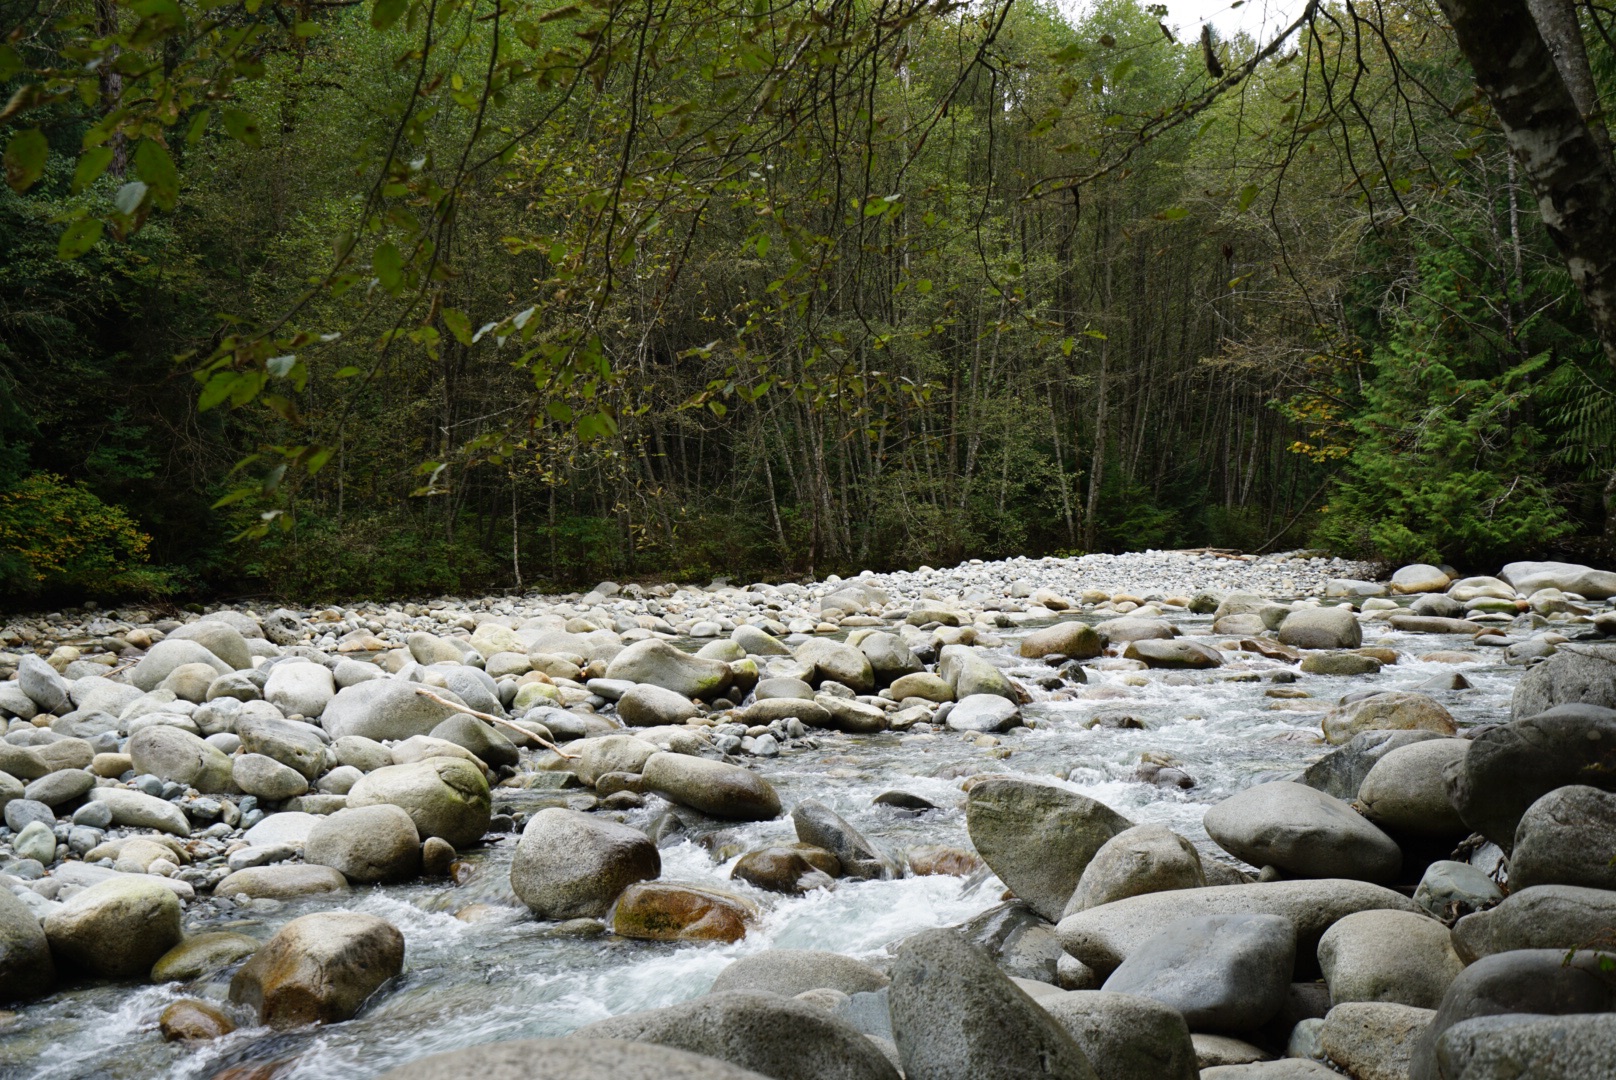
1579 673
367 844
983 713
673 911
1223 973
180 756
319 968
610 754
1373 1040
300 688
1450 890
570 1059
257 774
138 810
715 788
790 972
790 870
445 797
1303 832
162 658
193 1021
1143 859
1124 1036
116 928
968 672
924 685
202 954
1521 1045
1419 578
1388 956
648 705
570 865
26 968
1406 790
837 661
485 742
382 709
656 662
282 881
1074 640
1567 837
821 827
56 788
1174 654
1341 772
1394 710
890 659
1321 628
1541 917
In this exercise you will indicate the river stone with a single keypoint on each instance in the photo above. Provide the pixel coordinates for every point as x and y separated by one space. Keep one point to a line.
1224 973
367 844
955 1016
267 778
758 642
1579 673
282 881
1340 773
1511 766
1321 628
487 743
983 713
648 705
1405 791
838 662
1038 837
137 810
1528 577
445 797
385 709
967 672
1547 982
300 687
1392 956
1449 890
116 928
852 716
924 685
671 911
569 865
1541 917
1394 710
1568 837
163 657
771 1034
1134 628
1285 1069
1176 653
610 754
1124 1036
1374 1040
1074 640
26 968
202 954
890 659
289 827
59 787
1522 1046
1143 859
820 826
36 841
766 711
656 662
43 685
792 870
784 687
1339 663
319 968
1105 936
1419 578
716 788
179 756
193 1021
219 638
570 1059
1303 832
790 972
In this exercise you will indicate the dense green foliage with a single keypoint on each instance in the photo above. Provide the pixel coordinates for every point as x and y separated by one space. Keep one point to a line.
476 297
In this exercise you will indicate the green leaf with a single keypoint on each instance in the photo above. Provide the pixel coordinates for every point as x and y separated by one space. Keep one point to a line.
762 246
243 127
388 266
10 62
385 13
1173 213
92 163
559 411
458 325
923 286
198 127
1248 195
25 159
218 388
156 168
78 238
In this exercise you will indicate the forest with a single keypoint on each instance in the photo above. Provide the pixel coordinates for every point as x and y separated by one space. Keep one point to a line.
328 298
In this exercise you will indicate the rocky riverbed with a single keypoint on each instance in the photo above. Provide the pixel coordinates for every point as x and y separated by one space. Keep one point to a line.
1126 817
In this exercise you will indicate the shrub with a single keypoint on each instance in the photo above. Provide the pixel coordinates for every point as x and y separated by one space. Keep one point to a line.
56 536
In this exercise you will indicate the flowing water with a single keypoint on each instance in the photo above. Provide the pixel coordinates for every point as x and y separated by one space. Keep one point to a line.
506 977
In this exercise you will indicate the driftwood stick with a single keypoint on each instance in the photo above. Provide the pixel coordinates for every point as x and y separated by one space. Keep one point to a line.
498 721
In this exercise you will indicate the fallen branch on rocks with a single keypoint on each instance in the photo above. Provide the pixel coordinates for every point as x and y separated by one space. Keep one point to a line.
457 707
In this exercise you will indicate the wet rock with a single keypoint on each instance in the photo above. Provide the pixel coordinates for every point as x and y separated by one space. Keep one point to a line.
1579 673
788 870
1038 837
202 954
1449 890
1303 832
1419 578
955 1016
136 809
1567 837
116 928
820 826
1128 629
771 1034
445 797
1124 1036
1176 653
282 881
656 662
669 911
790 972
1339 663
570 1059
648 705
1341 773
1388 956
1406 791
1511 766
385 709
1076 640
767 710
924 685
610 754
890 659
366 844
1374 1041
967 672
570 865
59 787
1541 917
715 788
26 968
983 713
1518 1046
853 717
1395 710
319 968
1143 859
1321 628
193 1021
1224 973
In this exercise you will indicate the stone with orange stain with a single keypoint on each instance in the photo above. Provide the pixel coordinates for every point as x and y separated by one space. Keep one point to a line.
951 861
667 911
193 1021
319 968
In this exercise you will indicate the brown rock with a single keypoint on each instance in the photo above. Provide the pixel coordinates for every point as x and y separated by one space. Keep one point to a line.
949 861
784 869
319 968
666 911
193 1021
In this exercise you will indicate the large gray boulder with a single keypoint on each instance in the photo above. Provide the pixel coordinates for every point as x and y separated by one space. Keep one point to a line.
486 742
1038 837
983 713
1224 973
715 788
446 797
1321 628
367 844
1579 673
890 659
1394 710
26 968
649 705
790 972
1450 890
319 968
219 638
383 709
1419 578
955 1016
1543 981
1373 1040
1341 772
968 672
1541 917
570 865
570 1059
181 757
1075 640
1406 791
138 810
116 928
163 657
1105 936
300 687
1303 832
1393 956
267 778
1124 1036
1143 859
1520 1046
770 1034
1511 766
1567 837
656 662
1528 577
610 753
296 745
43 685
820 826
